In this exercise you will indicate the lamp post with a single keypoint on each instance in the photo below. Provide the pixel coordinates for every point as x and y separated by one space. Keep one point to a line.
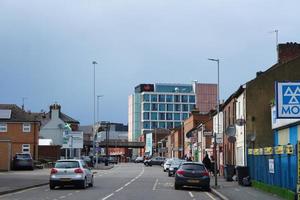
94 99
218 111
98 98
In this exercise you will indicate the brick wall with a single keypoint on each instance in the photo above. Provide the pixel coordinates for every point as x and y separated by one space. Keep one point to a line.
288 51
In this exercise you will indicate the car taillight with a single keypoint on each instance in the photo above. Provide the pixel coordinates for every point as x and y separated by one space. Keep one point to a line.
53 171
180 172
78 171
205 173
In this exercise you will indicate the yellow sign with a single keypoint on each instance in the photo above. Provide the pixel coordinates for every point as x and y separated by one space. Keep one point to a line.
256 152
268 151
289 149
279 150
250 151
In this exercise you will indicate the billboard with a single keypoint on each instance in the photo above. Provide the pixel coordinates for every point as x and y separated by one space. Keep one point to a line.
287 96
72 139
149 143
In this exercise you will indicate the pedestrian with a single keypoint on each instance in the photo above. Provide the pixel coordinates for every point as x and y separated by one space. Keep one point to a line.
207 162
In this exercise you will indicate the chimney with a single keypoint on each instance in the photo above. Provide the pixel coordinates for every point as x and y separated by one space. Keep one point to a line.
288 51
54 111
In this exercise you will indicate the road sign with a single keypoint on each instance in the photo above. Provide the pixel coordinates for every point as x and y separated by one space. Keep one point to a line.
287 99
207 133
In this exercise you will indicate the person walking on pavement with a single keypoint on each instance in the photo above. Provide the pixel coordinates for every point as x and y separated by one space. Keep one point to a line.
207 163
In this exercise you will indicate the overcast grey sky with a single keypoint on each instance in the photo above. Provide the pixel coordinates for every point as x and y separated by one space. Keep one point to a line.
47 48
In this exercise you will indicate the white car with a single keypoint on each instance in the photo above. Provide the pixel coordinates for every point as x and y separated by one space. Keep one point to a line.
71 172
167 164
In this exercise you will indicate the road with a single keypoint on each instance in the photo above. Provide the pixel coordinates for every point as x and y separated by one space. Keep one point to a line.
127 181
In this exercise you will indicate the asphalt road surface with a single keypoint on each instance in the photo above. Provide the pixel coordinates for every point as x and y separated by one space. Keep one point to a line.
127 181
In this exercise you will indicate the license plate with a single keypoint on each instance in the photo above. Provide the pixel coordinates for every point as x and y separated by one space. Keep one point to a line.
193 181
65 179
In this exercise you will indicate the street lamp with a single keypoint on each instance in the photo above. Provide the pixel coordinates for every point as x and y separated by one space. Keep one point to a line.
218 111
94 99
98 98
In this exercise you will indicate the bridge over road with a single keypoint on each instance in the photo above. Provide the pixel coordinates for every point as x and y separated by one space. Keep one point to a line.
120 144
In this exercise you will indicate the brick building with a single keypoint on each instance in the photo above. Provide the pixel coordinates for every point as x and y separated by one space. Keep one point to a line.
19 131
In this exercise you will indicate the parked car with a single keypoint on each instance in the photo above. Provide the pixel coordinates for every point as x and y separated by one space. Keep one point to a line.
71 172
113 160
175 164
23 161
139 159
154 161
167 164
192 174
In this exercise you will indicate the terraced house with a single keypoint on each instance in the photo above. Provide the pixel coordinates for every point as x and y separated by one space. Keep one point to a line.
19 131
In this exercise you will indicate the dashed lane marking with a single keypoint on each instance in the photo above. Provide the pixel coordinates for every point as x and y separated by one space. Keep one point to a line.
155 184
108 196
62 197
191 194
118 190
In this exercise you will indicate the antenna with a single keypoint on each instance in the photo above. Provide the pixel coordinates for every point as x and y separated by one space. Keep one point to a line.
276 31
23 102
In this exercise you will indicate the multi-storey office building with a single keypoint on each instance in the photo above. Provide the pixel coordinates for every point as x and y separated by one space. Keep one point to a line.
164 106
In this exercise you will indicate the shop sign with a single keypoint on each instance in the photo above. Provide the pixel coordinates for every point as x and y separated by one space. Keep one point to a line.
279 150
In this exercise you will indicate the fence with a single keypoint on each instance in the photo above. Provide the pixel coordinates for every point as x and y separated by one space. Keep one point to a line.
275 169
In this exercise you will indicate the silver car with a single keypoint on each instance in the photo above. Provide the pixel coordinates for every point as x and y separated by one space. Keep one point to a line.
71 172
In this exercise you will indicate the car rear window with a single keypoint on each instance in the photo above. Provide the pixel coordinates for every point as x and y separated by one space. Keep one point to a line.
24 156
67 164
193 167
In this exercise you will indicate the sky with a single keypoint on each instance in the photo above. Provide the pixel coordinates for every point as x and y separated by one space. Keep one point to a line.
47 48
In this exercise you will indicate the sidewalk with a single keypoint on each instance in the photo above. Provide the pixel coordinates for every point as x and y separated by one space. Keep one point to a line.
233 191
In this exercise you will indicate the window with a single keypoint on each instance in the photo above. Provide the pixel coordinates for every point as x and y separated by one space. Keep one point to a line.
161 98
147 106
185 107
153 116
153 97
161 116
185 116
169 107
3 127
146 125
177 124
154 107
169 98
169 124
162 107
26 127
25 148
146 97
192 107
192 99
162 124
176 116
177 98
146 116
153 125
177 107
169 116
184 98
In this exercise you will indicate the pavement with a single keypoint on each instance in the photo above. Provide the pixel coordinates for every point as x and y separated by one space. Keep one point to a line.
122 182
231 190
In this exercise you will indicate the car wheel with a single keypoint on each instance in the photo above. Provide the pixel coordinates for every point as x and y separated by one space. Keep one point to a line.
83 184
177 187
206 188
91 184
169 174
164 170
51 186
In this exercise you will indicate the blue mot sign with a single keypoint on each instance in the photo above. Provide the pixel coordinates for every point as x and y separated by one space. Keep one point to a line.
287 99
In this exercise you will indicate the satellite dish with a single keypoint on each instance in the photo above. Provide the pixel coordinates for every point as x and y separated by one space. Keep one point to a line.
231 130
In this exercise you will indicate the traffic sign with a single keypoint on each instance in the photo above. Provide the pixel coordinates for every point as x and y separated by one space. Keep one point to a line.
287 99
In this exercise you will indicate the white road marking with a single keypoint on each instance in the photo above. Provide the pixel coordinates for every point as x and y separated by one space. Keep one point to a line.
70 194
191 194
118 190
62 197
108 196
77 191
155 184
127 184
210 196
236 189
